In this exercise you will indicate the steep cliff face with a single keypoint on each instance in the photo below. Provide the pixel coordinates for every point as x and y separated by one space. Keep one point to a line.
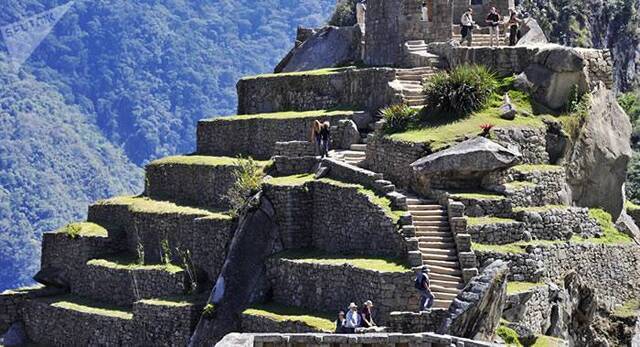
598 24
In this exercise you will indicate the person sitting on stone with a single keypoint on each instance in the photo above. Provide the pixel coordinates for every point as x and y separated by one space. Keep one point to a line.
423 285
493 19
467 25
340 322
353 319
367 317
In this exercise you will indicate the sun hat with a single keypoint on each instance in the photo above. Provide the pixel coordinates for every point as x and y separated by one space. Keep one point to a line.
352 305
368 303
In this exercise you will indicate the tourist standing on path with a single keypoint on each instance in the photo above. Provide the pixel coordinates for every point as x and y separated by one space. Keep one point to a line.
423 285
493 19
325 138
340 323
514 28
353 319
467 26
367 318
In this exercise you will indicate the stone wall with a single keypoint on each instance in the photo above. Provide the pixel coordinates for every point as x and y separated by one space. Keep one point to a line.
530 309
286 166
12 303
416 322
497 233
54 326
122 287
190 184
257 136
558 223
393 159
531 142
334 218
613 271
260 324
547 187
331 288
166 324
357 89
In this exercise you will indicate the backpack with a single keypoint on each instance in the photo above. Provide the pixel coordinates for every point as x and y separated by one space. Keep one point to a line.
420 281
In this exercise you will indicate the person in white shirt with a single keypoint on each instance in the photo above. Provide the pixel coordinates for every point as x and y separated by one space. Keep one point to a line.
494 20
361 12
353 319
425 11
467 26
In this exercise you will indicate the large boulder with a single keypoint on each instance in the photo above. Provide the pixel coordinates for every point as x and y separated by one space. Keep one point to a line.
475 313
597 160
532 33
555 72
478 155
328 47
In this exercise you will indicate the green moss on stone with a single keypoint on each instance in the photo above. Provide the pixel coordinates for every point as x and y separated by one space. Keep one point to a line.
77 304
612 236
630 308
290 181
518 185
541 208
548 341
508 335
317 257
537 168
521 287
280 313
129 263
478 196
631 206
146 205
201 160
285 115
319 72
83 229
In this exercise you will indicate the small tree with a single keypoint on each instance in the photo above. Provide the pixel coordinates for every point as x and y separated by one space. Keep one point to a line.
398 118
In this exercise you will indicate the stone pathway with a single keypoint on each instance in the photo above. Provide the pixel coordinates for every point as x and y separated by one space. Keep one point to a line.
438 249
481 37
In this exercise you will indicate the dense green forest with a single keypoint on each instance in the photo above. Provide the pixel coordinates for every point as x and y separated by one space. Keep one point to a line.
116 84
53 163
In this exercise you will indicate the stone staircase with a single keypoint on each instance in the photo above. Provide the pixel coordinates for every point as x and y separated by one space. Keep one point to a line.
481 37
411 84
438 248
417 54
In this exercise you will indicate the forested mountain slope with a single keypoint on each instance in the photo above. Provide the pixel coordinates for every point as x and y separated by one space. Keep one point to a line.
53 162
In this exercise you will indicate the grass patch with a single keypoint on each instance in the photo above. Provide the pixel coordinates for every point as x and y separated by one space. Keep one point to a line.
84 306
631 206
478 196
540 208
319 72
285 115
548 341
84 229
513 248
290 181
508 335
168 302
280 313
130 263
319 257
146 205
442 133
528 168
202 161
612 236
471 221
519 185
521 287
630 308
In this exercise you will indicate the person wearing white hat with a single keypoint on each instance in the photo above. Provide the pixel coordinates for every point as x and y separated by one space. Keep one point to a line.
353 319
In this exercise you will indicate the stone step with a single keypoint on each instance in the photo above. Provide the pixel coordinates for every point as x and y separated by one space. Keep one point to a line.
443 270
440 303
437 244
449 285
442 234
424 213
430 218
425 256
353 154
428 241
441 263
431 223
415 42
442 251
413 93
445 295
414 103
417 77
358 147
418 201
444 277
410 83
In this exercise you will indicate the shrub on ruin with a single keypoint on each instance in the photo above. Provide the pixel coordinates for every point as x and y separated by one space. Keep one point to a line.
460 92
398 118
509 336
247 174
345 14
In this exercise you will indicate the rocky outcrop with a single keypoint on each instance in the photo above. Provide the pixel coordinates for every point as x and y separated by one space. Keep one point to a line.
242 277
476 311
327 47
478 155
597 161
553 74
532 34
